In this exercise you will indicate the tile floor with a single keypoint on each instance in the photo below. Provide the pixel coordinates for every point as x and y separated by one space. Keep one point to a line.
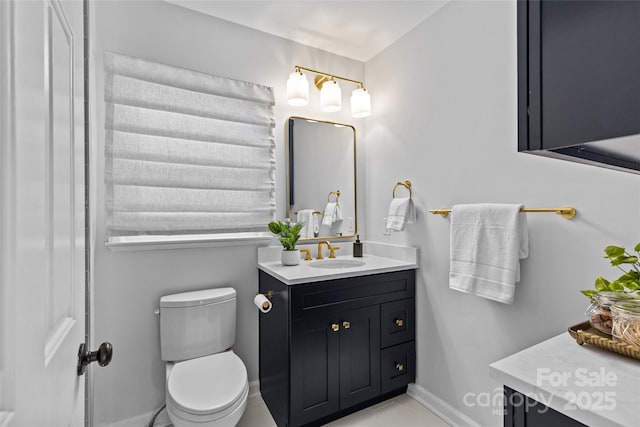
401 411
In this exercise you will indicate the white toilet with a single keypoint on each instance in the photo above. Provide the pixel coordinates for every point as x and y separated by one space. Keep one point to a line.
206 383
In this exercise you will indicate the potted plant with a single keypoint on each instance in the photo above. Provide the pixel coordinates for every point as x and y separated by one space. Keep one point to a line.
607 293
627 282
288 234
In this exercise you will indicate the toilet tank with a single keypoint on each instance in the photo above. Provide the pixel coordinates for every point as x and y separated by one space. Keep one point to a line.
198 323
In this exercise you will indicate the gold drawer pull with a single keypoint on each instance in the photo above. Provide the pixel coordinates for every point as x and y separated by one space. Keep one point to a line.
346 324
399 367
335 327
399 323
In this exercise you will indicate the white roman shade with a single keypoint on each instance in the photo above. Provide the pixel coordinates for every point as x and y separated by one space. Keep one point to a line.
186 152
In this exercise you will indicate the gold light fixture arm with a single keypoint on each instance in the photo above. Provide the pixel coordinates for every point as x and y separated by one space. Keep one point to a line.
323 77
566 212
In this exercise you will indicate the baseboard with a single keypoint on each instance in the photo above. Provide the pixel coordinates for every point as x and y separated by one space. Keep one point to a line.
140 420
254 389
143 420
448 413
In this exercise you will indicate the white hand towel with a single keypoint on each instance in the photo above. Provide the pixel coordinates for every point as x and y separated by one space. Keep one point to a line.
329 214
401 211
306 218
487 243
337 213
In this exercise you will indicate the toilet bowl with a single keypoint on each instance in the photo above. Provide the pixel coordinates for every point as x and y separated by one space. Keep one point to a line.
206 382
211 389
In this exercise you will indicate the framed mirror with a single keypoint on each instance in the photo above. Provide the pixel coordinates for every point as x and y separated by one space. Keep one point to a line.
321 173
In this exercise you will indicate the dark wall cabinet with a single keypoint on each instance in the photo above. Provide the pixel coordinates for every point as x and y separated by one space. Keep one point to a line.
578 84
333 347
522 411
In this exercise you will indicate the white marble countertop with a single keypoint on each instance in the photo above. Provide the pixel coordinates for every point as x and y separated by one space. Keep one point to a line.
586 383
378 258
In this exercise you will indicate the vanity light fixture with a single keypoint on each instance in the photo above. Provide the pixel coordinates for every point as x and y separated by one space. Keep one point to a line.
330 96
330 93
297 89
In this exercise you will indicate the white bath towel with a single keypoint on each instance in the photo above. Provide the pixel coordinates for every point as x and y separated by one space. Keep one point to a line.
487 243
401 211
308 220
332 213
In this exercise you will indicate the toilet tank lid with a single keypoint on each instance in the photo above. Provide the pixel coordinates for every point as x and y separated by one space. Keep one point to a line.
194 298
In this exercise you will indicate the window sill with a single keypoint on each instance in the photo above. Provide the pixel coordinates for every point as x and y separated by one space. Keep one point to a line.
150 243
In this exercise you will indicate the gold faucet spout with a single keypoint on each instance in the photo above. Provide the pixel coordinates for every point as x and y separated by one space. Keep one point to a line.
324 242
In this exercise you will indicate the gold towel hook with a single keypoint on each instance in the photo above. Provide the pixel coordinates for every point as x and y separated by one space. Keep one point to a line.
333 193
406 184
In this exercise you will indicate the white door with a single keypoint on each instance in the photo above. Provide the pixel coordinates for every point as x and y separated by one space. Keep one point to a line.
43 238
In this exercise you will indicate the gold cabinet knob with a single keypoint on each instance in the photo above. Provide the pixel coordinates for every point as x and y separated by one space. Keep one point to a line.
399 367
346 324
399 323
335 327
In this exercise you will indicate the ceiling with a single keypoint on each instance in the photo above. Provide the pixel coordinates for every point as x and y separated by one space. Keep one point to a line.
355 29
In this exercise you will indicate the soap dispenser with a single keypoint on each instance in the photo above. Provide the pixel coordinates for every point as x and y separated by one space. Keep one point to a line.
357 247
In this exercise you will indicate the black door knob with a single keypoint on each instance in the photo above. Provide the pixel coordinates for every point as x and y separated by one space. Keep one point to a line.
103 356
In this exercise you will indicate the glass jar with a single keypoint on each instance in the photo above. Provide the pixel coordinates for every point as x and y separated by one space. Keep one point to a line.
599 312
626 321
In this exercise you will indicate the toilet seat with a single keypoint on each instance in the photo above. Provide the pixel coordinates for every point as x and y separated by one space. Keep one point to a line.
207 388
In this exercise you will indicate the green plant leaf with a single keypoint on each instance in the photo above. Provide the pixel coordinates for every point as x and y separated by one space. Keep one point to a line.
632 286
601 284
628 277
624 260
275 227
637 248
616 286
589 293
614 251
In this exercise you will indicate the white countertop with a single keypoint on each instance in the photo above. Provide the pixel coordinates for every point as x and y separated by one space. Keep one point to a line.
378 258
586 383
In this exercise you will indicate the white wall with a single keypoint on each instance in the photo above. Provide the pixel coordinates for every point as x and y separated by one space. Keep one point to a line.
128 285
445 118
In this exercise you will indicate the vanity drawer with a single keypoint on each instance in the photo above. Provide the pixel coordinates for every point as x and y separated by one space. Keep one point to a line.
397 322
354 292
397 366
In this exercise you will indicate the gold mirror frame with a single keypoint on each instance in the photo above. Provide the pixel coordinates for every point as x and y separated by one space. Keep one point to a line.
289 160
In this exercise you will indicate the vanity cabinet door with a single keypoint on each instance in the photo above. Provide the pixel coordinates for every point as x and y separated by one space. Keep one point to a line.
335 362
314 368
359 355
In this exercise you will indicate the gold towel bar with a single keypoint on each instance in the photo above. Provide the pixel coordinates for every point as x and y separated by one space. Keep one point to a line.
333 193
406 184
566 212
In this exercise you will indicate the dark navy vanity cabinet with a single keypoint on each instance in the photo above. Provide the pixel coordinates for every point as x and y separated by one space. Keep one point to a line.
333 347
522 411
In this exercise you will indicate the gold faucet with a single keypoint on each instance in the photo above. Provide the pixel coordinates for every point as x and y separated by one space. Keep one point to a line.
332 249
307 254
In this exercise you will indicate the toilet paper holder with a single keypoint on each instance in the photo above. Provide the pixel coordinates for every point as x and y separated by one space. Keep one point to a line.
266 305
268 294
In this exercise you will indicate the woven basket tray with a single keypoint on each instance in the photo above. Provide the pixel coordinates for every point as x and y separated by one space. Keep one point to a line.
584 333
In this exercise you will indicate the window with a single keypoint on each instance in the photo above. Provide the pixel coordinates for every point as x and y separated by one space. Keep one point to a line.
186 152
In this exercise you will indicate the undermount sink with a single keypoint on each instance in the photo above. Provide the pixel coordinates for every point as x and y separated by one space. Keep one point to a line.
338 263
